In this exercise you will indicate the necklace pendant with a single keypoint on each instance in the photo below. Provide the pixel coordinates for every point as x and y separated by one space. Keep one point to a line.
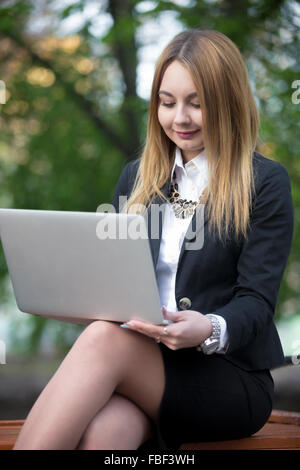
182 207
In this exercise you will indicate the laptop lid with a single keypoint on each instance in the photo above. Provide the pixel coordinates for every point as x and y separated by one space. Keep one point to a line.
80 266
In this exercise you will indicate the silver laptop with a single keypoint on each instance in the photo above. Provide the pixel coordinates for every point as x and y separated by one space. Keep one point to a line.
80 266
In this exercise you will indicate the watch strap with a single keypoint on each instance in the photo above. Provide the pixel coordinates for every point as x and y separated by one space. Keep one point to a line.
211 344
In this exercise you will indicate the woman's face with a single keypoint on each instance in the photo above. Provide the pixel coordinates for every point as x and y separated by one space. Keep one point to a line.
179 110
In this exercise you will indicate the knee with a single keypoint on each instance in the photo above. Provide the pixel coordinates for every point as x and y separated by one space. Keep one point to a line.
119 425
109 340
98 334
87 441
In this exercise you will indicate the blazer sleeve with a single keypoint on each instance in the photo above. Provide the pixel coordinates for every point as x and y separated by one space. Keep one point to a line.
262 259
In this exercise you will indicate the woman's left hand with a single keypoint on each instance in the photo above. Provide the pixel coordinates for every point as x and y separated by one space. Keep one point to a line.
190 328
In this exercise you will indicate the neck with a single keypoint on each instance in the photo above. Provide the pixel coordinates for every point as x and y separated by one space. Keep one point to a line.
188 156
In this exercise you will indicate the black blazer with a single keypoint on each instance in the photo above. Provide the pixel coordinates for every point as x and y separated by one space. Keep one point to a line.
238 280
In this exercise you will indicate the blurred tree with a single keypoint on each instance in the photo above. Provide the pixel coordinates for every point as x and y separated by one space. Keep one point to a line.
73 116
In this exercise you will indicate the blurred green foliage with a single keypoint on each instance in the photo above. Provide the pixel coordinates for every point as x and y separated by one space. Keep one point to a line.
73 116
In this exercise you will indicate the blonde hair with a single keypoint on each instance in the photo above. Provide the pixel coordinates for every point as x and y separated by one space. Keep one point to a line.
230 130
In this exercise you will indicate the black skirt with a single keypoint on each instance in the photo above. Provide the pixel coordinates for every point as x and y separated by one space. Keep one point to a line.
208 398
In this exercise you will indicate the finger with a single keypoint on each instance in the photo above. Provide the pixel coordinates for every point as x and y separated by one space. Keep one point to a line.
174 316
148 329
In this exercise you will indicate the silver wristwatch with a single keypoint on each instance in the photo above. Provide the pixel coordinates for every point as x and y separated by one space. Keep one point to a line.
211 344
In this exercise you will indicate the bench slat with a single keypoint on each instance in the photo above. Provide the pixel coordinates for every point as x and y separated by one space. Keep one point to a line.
9 431
271 436
285 417
282 431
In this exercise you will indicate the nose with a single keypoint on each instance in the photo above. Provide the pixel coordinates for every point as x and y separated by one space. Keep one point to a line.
181 116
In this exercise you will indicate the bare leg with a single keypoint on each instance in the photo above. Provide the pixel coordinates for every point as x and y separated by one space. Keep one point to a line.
119 425
104 359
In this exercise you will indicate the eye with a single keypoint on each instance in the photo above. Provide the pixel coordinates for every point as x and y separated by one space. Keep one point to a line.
195 105
168 105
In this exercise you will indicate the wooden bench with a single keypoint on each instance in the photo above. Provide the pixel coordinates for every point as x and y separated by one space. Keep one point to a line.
282 431
9 431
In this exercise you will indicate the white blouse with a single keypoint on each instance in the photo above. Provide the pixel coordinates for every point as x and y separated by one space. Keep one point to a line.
192 178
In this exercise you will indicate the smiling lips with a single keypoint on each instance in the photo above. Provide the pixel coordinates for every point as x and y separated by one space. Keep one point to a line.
186 135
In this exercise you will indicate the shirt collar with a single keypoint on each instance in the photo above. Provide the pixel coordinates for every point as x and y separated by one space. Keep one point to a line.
199 161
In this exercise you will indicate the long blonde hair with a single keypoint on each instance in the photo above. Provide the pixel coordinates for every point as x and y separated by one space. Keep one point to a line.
230 130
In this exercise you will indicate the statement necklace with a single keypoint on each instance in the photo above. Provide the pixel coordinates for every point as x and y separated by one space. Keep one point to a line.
182 207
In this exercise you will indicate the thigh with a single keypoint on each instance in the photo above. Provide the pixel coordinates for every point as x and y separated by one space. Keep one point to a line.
132 360
143 380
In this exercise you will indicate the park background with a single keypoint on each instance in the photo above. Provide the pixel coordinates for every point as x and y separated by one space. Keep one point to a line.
77 77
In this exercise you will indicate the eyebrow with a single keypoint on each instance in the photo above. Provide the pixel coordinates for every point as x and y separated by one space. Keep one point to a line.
190 95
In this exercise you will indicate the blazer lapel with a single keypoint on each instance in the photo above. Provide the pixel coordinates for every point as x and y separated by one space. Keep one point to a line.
155 218
194 238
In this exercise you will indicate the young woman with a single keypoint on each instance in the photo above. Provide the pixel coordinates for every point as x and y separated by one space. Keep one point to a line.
206 375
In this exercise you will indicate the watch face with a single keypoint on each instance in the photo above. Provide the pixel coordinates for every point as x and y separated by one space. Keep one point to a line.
210 346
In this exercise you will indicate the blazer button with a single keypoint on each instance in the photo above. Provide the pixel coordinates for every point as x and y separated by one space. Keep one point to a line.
185 303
